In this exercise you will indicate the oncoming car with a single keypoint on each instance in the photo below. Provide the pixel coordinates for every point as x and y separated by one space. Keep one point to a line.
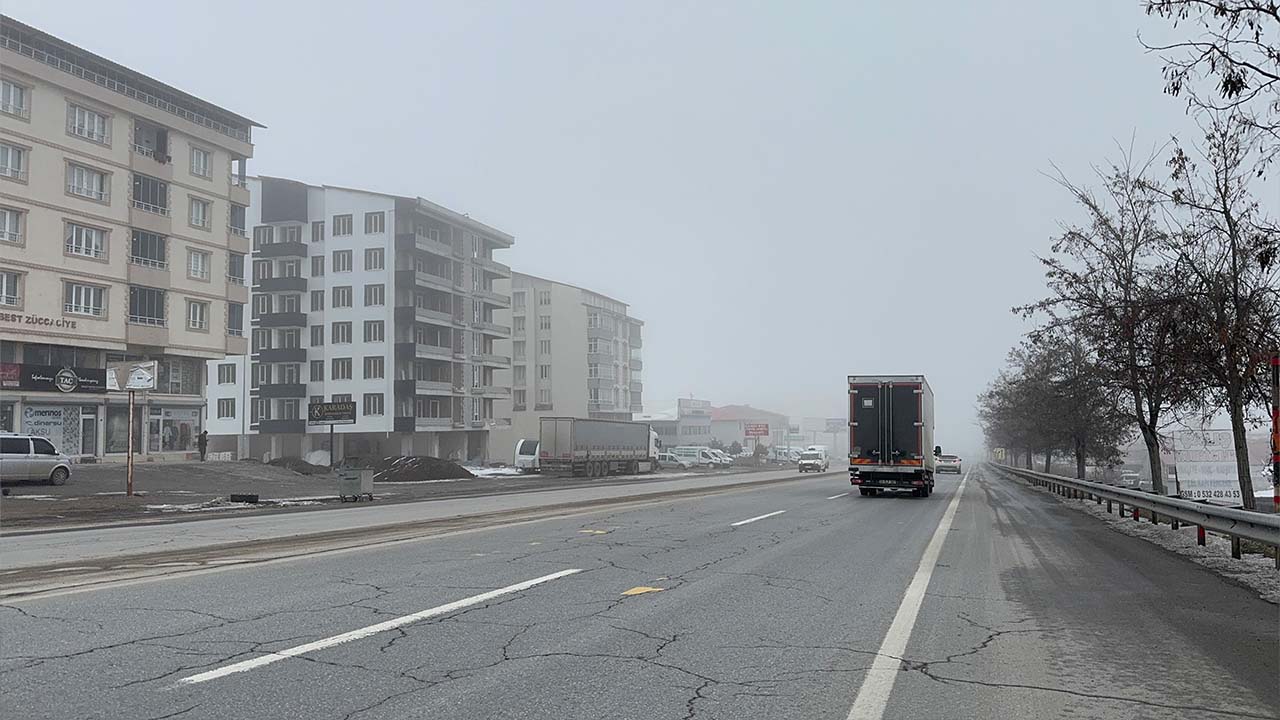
949 463
813 461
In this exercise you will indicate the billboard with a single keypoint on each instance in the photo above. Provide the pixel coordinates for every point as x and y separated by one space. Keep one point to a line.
331 413
51 378
755 430
132 375
1206 462
837 425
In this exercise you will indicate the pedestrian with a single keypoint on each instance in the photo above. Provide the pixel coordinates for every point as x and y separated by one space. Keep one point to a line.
202 443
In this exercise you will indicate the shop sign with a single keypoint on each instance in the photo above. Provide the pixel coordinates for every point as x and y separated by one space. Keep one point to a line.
52 378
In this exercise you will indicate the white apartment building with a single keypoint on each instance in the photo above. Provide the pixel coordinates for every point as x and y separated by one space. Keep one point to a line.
392 302
122 237
576 353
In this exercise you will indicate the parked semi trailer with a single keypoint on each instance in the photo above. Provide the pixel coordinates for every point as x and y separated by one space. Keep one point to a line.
890 434
595 448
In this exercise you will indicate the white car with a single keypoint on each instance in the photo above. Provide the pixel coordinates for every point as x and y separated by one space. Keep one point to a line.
949 463
723 457
813 461
667 459
527 456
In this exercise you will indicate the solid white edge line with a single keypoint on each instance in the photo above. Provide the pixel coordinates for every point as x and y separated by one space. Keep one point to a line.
873 696
833 497
758 517
365 632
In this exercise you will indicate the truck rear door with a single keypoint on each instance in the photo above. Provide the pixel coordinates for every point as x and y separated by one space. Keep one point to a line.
905 423
867 404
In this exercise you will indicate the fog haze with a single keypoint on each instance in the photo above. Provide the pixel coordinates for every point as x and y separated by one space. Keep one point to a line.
784 193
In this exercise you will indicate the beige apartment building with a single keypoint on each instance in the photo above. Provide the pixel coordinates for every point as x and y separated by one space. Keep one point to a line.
575 353
122 237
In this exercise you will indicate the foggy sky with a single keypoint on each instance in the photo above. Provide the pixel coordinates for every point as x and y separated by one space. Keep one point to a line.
786 193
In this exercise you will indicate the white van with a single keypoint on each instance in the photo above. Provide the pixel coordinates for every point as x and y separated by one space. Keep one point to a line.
527 456
698 455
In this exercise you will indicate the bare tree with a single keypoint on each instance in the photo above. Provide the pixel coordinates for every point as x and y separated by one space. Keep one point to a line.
1110 287
1237 45
1226 253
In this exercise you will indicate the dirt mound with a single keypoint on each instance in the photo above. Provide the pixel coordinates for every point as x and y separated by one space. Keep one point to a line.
416 468
298 465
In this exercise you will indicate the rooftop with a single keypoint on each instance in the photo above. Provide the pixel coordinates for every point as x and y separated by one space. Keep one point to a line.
744 412
578 287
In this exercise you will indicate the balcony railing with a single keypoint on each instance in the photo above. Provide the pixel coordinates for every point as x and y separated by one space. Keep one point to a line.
88 133
151 153
90 310
238 231
85 250
235 332
9 300
10 236
238 181
148 262
13 172
148 207
234 280
147 320
88 192
15 110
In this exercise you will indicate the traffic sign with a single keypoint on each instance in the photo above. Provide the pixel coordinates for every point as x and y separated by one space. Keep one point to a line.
836 425
331 413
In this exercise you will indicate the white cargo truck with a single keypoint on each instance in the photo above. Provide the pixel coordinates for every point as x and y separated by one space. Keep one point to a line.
596 448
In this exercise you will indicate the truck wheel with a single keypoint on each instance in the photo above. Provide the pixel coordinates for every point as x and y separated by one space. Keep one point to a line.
633 468
864 492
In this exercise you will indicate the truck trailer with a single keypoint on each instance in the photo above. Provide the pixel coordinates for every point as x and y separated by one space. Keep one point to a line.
890 434
596 448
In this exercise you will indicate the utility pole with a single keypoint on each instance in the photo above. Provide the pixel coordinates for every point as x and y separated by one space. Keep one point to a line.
1275 435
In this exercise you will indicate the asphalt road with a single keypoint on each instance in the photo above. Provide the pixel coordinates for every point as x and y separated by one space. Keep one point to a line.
790 600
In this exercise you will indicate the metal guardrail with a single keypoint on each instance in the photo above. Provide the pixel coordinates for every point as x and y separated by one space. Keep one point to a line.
1232 522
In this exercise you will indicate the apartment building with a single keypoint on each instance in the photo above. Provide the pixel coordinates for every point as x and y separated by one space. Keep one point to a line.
392 302
122 237
575 353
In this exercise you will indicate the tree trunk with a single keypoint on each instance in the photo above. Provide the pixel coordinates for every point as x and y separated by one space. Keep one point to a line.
1028 459
1048 462
1235 406
1079 460
1152 441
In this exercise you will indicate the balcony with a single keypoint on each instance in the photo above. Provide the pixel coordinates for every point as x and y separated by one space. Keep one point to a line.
423 350
413 424
489 328
286 355
237 231
492 360
283 390
282 320
281 249
280 284
142 271
493 267
491 391
493 298
431 280
238 189
147 331
267 427
236 291
636 364
424 243
636 386
150 218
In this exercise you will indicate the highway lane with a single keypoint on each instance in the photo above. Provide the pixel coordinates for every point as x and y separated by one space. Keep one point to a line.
675 611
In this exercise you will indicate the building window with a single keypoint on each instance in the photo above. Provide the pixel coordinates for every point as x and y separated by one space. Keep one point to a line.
518 399
86 241
261 340
226 374
373 367
288 374
86 182
341 334
146 306
263 235
261 410
544 297
593 370
291 234
518 375
341 261
226 408
517 300
593 320
317 335
544 372
10 293
198 262
544 322
317 371
288 303
197 315
517 325
13 100
374 259
201 165
375 222
317 266
235 268
593 345
13 162
235 319
200 212
341 397
375 295
341 369
262 270
517 349
374 331
544 347
290 339
373 403
88 124
316 399
317 300
544 398
342 296
261 305
317 231
78 299
150 195
290 268
289 409
341 225
11 225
